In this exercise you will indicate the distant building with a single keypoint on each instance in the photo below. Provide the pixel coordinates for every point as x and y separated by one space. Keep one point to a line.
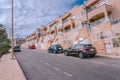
18 41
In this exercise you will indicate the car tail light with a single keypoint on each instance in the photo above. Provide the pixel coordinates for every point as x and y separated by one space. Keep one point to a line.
86 49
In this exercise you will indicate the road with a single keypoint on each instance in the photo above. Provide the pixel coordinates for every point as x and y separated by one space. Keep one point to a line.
40 65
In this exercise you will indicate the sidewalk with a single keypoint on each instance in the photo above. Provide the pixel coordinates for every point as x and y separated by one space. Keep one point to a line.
10 69
112 55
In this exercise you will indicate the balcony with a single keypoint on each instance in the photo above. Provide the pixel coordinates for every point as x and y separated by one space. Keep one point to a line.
48 31
53 28
91 2
68 22
59 27
99 8
116 25
67 30
100 21
101 25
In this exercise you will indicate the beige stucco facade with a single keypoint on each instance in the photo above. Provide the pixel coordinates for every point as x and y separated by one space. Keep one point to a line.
96 22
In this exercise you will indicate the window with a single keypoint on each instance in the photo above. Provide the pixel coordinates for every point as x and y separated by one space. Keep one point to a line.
52 47
73 46
58 46
116 41
79 46
80 25
88 45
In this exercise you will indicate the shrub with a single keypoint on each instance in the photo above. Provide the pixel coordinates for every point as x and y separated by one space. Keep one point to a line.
4 47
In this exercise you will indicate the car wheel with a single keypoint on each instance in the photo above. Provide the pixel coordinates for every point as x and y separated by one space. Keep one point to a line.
93 56
66 53
81 56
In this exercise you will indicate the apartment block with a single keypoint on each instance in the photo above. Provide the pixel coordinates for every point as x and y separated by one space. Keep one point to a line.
95 22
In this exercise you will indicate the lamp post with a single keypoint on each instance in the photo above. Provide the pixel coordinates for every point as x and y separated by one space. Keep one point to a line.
12 14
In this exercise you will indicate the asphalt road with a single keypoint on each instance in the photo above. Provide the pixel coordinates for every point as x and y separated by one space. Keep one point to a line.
40 65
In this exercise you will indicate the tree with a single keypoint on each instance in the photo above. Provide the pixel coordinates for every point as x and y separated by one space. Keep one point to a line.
3 34
118 39
4 41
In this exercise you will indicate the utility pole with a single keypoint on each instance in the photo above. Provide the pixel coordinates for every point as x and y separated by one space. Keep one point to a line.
12 14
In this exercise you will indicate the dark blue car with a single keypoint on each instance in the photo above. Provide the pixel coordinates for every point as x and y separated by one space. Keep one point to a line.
55 48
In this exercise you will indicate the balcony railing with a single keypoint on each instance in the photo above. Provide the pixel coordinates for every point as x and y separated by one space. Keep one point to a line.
96 6
115 21
97 22
60 33
65 20
59 25
67 30
48 30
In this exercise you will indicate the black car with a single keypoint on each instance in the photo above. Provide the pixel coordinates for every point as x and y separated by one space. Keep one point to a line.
17 49
81 50
55 48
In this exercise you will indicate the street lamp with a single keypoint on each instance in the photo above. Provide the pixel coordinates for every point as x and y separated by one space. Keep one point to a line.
12 14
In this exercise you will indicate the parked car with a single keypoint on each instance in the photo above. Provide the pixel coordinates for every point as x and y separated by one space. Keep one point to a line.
17 49
81 50
55 48
32 47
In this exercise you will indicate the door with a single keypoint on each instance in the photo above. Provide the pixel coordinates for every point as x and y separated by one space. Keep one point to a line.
51 49
72 49
108 48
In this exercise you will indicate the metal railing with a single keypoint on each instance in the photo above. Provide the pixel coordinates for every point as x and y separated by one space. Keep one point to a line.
67 30
67 19
97 22
115 21
96 6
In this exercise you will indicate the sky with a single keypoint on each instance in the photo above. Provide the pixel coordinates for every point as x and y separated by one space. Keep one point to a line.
31 14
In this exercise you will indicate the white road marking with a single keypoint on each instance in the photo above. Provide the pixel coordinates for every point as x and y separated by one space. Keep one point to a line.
56 68
47 64
68 74
78 79
104 63
98 62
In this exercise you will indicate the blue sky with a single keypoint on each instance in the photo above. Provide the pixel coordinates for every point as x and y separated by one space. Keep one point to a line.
30 14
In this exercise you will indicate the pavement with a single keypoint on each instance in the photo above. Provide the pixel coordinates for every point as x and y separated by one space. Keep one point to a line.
10 69
111 55
40 65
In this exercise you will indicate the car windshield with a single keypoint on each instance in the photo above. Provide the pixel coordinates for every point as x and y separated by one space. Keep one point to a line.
78 46
58 46
87 45
73 46
16 46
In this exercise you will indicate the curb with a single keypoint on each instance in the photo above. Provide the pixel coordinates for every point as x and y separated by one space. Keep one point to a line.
25 77
109 56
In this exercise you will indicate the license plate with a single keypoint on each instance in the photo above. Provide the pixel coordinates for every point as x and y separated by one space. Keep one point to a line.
91 49
60 48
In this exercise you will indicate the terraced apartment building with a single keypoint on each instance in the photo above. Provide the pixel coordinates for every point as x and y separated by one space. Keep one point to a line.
96 22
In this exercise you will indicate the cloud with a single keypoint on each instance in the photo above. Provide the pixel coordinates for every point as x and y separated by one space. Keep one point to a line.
30 14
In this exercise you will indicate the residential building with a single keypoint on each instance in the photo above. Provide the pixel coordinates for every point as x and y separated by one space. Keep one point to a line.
95 22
